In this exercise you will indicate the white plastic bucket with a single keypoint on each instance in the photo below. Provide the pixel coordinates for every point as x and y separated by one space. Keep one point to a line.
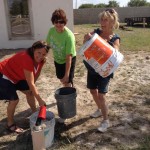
100 55
42 138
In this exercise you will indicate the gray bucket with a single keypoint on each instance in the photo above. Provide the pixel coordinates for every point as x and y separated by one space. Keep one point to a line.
66 102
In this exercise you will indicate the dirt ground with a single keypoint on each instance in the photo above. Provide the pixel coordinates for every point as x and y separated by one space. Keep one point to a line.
129 109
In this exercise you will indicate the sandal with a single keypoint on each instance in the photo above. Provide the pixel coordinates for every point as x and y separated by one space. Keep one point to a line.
14 128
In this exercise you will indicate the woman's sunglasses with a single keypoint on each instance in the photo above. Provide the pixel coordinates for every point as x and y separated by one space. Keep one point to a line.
110 10
59 21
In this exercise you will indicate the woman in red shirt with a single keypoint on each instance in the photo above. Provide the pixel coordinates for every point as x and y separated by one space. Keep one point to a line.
20 72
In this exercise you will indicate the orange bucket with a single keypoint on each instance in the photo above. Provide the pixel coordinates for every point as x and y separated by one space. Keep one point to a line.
100 55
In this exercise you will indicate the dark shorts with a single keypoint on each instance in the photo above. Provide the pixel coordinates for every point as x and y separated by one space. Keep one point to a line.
60 70
8 89
95 81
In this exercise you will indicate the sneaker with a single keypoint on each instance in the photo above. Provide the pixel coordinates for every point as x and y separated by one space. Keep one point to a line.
104 126
61 120
96 114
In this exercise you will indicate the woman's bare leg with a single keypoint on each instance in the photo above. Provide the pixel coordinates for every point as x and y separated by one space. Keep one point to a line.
31 100
99 99
11 111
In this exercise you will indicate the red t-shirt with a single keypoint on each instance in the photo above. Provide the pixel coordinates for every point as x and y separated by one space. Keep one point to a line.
13 67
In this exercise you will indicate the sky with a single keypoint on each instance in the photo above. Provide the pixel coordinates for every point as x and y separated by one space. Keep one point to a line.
122 3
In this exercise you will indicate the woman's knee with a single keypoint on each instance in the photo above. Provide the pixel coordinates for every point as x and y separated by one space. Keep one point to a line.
93 91
28 93
102 94
13 102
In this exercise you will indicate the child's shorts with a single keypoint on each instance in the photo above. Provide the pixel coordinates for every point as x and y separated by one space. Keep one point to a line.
61 68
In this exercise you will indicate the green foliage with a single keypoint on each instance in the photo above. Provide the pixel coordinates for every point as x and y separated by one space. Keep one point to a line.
113 3
145 144
100 5
25 10
19 7
86 6
135 40
15 8
137 3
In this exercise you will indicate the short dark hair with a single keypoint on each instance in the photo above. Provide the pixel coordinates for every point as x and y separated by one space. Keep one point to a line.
59 14
37 45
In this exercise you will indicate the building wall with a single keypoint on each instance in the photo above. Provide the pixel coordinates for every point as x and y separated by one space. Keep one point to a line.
90 16
41 12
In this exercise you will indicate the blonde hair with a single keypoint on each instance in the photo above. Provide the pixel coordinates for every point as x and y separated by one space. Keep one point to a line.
112 15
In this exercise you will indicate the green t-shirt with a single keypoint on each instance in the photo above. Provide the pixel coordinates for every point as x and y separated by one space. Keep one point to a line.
62 44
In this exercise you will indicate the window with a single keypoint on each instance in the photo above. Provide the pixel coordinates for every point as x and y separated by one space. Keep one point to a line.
19 22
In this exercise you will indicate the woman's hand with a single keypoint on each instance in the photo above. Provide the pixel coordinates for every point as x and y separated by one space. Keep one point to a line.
30 80
87 37
41 102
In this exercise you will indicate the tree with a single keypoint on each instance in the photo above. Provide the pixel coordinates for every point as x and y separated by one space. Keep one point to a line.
113 3
86 6
100 5
19 7
15 8
25 10
137 3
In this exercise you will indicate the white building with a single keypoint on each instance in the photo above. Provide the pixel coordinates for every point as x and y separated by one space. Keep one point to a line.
29 21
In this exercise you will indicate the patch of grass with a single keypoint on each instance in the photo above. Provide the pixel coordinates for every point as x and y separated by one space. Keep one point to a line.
137 39
144 91
144 144
67 147
121 146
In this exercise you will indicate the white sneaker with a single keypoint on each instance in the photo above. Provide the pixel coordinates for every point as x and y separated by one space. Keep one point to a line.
104 126
96 114
61 120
